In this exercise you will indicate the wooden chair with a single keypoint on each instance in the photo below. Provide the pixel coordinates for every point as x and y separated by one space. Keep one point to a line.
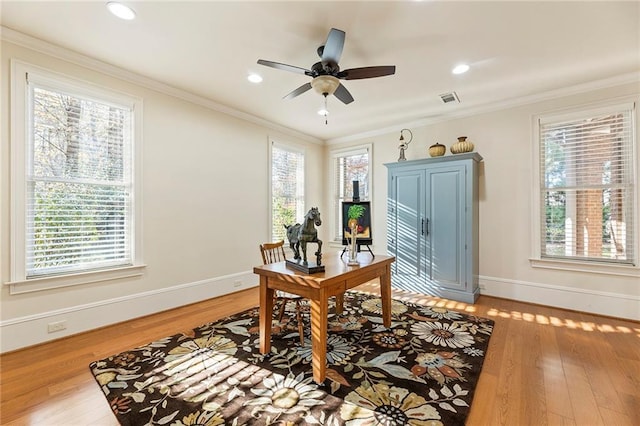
272 253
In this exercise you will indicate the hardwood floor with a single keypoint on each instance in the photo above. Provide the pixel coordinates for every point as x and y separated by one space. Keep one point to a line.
544 366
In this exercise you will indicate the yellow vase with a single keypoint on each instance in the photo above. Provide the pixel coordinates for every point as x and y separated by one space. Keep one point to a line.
437 150
463 145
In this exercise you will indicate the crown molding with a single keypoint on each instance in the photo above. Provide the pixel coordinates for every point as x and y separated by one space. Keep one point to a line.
41 46
499 105
21 39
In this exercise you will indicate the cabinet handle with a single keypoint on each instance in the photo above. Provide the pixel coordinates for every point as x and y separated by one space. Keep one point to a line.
422 228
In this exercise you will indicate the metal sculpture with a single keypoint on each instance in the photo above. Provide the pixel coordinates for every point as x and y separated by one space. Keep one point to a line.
301 234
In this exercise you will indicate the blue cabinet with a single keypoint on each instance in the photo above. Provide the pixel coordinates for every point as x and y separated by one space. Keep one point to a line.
432 225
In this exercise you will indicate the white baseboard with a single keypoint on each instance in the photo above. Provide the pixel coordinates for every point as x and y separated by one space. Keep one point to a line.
30 330
596 302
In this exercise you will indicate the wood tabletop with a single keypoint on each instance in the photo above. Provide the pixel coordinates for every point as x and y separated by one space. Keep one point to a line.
334 264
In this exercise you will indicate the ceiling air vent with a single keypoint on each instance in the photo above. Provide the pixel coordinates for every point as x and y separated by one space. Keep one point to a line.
450 97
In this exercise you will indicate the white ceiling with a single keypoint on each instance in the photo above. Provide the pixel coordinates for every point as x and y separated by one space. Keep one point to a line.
517 50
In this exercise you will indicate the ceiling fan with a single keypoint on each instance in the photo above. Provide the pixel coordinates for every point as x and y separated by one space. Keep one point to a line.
326 73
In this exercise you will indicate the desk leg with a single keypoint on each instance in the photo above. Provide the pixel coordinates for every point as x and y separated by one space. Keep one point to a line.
339 303
266 314
319 337
385 295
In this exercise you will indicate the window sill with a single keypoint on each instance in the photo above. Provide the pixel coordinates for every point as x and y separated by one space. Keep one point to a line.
68 280
589 267
335 244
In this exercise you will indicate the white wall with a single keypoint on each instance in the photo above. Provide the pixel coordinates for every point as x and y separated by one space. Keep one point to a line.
504 138
205 210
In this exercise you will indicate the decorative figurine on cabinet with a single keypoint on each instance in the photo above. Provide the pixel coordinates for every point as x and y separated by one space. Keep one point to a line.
404 145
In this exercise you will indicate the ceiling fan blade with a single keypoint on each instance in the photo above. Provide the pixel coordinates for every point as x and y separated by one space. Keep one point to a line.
367 72
284 67
343 94
300 90
333 47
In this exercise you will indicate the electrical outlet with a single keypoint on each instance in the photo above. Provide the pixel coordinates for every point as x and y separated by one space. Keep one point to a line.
52 327
237 283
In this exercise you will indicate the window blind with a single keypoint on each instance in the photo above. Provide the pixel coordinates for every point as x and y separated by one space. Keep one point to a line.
588 189
287 189
79 183
349 166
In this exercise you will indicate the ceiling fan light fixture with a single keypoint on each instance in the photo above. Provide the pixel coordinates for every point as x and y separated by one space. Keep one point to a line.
325 84
120 10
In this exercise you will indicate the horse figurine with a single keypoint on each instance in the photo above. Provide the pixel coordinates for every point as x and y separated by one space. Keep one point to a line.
299 235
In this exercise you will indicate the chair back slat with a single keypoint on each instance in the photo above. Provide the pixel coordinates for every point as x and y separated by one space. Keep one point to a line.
272 252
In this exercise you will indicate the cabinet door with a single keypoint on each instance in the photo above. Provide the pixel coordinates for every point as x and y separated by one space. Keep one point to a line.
406 242
445 227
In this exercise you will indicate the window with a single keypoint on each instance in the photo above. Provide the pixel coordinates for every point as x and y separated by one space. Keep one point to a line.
287 188
348 166
588 189
73 197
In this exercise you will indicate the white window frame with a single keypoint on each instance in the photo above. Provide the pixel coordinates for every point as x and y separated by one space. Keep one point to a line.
577 265
293 148
20 124
336 227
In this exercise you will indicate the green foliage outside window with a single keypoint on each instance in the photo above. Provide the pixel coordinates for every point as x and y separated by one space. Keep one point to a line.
77 185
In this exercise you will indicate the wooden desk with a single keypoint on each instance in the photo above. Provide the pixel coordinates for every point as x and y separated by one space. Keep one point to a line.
334 281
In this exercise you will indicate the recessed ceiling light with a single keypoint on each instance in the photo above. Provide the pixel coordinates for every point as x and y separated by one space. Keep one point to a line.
254 78
460 69
121 11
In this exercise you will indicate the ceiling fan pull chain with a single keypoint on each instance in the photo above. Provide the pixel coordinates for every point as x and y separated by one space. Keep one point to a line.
326 111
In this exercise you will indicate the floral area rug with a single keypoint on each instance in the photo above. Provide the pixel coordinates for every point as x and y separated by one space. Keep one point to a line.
420 371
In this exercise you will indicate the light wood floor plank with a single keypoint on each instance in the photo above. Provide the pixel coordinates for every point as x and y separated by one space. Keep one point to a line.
507 410
534 407
556 387
484 400
582 397
556 420
614 418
